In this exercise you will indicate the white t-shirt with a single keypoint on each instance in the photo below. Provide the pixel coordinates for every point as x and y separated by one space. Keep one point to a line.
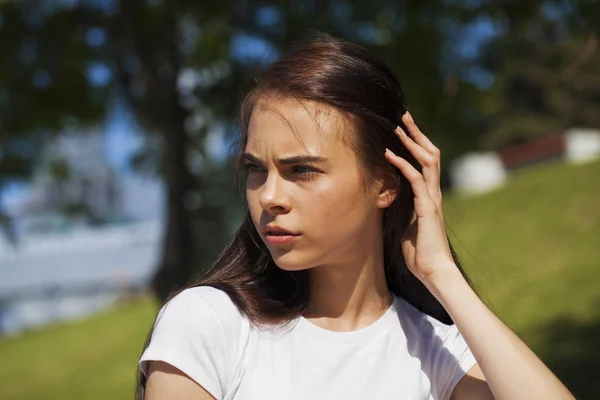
405 354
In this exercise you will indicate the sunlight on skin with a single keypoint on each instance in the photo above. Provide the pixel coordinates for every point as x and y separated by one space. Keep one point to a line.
303 198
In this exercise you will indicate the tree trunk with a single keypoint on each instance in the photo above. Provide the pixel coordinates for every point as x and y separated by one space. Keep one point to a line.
175 267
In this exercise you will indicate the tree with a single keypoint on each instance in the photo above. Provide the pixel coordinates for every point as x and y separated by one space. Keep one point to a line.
50 52
43 84
550 82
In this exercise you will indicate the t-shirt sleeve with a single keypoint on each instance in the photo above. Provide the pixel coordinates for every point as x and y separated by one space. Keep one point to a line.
189 334
452 359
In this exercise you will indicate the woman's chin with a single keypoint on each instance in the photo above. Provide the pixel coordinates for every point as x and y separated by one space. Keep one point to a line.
291 262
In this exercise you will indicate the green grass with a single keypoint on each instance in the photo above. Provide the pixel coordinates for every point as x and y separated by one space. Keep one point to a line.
90 359
532 249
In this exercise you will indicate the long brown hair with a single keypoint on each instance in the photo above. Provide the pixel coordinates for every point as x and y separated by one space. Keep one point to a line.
345 76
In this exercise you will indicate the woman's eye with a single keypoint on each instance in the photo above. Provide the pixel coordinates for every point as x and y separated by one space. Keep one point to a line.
254 168
304 170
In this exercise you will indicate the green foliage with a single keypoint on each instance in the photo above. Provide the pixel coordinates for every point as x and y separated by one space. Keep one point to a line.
43 74
546 67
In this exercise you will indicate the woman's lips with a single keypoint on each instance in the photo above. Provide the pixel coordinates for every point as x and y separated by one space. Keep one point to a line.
280 239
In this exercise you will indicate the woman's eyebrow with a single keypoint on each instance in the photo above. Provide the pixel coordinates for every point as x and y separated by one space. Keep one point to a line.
249 158
302 160
307 159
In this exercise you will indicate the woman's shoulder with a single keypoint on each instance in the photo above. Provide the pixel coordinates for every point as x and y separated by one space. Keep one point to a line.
208 295
200 332
442 350
420 323
202 308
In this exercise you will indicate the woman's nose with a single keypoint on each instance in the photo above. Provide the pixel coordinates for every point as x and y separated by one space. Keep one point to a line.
272 197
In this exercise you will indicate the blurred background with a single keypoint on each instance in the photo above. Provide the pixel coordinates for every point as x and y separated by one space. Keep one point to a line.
116 120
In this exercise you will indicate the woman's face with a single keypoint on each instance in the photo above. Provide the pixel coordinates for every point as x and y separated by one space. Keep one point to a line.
304 188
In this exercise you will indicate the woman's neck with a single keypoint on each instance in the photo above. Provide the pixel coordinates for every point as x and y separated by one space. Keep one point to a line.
350 296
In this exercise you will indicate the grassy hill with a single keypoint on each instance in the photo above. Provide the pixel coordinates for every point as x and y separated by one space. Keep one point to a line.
532 249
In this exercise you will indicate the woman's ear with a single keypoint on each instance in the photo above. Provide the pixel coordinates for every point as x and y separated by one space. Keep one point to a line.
390 186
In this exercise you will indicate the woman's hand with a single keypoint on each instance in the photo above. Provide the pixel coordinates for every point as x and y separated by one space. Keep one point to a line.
425 244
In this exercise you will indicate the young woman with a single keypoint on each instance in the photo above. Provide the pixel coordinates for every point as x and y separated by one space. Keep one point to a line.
341 282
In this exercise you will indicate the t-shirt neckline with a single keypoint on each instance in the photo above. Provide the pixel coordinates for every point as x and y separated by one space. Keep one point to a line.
361 334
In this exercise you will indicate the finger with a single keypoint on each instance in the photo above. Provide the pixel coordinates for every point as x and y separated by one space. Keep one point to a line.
431 171
417 181
419 136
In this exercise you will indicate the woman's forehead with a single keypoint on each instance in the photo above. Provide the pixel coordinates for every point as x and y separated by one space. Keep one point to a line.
292 123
